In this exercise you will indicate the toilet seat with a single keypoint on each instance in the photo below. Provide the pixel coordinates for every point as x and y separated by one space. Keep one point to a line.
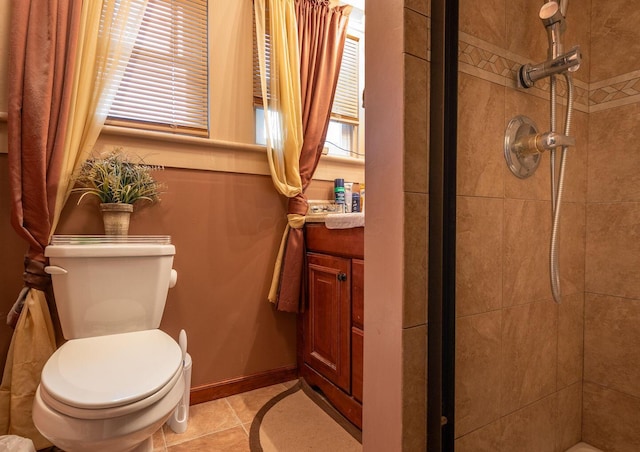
107 413
106 376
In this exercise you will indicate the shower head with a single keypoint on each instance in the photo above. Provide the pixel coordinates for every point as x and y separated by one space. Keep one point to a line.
552 16
550 13
553 19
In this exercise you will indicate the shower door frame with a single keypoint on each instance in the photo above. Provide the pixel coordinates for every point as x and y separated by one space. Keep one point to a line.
442 226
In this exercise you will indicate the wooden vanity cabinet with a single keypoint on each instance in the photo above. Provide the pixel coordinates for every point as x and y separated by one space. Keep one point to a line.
332 326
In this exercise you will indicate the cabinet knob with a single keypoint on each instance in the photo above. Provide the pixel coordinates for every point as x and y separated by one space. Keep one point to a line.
342 276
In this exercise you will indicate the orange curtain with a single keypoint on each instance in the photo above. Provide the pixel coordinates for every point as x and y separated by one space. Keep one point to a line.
322 31
42 50
42 54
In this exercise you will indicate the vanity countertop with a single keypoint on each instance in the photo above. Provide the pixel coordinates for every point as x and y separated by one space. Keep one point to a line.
324 211
337 220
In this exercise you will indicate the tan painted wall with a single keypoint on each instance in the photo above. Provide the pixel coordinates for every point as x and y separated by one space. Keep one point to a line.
382 415
397 102
226 229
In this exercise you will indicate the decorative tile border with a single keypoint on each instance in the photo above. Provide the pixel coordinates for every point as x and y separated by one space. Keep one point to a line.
489 62
614 92
487 59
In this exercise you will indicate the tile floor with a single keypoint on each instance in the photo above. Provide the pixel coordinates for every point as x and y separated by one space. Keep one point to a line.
220 425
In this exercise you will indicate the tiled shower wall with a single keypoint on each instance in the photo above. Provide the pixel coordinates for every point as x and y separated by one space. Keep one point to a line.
611 400
416 191
519 356
532 375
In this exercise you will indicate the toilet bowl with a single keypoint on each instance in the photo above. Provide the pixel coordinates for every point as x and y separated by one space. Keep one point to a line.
109 393
118 378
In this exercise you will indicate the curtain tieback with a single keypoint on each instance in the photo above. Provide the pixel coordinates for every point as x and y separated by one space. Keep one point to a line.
34 277
297 209
295 220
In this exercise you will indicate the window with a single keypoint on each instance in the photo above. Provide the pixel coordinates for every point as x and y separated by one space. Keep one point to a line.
164 86
345 130
342 134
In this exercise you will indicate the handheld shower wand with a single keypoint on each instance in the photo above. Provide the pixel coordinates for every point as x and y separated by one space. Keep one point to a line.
557 62
553 20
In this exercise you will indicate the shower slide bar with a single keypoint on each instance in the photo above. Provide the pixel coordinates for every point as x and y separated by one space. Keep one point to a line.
523 144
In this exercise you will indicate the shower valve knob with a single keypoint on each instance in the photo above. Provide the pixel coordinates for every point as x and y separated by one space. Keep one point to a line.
552 140
533 144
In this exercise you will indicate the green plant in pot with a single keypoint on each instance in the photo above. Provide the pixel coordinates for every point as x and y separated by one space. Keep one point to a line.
119 183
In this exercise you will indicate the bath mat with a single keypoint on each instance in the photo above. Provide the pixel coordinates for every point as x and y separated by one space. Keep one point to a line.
298 420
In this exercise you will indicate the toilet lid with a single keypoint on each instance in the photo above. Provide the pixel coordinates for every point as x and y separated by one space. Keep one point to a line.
110 371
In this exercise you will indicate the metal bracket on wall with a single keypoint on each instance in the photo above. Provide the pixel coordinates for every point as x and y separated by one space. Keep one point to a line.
520 160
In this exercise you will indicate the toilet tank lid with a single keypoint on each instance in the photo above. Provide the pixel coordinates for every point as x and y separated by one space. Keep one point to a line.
109 246
102 239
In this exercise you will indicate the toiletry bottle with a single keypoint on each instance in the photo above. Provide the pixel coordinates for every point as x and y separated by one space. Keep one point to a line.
355 203
362 197
348 196
338 187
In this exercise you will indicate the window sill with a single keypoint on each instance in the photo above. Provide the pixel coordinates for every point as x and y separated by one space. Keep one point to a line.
180 151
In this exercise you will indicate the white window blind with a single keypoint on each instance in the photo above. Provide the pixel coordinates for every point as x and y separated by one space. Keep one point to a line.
257 90
346 101
165 81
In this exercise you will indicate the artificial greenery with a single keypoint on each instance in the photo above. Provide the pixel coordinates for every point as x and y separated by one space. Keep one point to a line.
114 178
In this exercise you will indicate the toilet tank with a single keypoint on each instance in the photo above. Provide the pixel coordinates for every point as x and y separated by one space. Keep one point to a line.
110 284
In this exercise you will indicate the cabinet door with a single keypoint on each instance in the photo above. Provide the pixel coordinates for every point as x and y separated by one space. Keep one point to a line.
327 335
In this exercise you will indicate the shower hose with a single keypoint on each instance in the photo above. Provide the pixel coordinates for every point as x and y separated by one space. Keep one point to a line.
557 187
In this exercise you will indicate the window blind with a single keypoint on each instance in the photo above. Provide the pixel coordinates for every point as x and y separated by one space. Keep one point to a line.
346 101
257 91
164 86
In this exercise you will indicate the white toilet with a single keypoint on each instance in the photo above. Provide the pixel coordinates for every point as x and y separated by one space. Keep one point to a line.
118 378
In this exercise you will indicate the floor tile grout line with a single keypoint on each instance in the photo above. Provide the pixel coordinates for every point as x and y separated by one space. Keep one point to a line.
164 440
235 414
203 435
211 432
245 428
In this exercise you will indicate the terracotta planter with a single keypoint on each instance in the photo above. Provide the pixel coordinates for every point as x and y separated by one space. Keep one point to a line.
115 217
